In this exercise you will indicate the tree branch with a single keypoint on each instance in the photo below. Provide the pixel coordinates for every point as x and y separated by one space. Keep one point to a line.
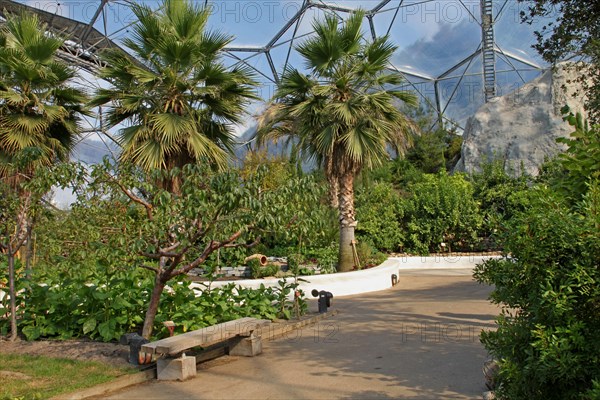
244 245
133 197
211 247
153 269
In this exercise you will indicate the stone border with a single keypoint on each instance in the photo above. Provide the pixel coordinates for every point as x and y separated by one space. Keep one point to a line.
278 330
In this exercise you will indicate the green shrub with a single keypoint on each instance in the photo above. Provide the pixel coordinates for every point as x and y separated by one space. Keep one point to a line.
106 307
378 215
442 209
293 262
258 271
326 258
574 169
547 342
497 193
270 270
369 256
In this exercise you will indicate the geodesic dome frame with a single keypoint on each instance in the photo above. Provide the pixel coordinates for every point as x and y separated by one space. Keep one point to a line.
463 40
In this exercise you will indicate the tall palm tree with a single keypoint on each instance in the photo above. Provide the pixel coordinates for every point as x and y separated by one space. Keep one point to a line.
39 106
343 114
175 100
40 111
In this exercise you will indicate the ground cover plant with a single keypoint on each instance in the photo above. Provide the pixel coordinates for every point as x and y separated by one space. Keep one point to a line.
40 377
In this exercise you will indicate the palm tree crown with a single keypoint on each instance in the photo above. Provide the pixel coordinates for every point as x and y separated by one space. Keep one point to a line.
344 112
177 101
39 107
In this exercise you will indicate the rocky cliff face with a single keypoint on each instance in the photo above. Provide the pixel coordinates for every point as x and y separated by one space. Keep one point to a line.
521 127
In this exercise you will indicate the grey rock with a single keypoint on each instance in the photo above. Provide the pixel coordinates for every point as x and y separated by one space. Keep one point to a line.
522 127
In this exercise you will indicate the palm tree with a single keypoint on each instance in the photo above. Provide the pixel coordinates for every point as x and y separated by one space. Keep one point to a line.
39 107
343 114
175 100
40 112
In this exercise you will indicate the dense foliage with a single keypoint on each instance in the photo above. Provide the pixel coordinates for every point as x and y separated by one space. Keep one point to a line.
547 342
572 29
104 306
422 213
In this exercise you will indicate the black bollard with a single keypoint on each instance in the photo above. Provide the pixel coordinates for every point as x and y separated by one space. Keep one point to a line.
324 299
135 343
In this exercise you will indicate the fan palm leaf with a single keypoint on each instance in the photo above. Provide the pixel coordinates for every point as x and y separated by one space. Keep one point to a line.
39 106
180 104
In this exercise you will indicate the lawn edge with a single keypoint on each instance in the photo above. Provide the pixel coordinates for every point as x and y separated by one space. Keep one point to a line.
109 387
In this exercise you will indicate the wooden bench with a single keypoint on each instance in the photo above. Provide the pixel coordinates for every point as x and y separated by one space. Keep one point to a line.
242 335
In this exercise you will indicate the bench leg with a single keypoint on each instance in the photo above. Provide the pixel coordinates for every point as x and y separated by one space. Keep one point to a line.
175 369
245 346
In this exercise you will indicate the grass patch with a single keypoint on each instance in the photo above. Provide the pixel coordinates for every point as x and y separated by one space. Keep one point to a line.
40 377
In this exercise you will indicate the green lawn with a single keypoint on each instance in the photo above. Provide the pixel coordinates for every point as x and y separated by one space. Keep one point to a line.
40 377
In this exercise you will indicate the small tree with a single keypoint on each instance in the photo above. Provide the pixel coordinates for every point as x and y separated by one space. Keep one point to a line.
175 233
20 200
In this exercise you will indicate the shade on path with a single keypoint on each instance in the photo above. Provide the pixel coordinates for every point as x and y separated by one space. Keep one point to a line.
419 340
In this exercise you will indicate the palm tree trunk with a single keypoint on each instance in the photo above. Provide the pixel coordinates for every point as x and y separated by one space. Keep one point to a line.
334 186
347 221
334 192
12 292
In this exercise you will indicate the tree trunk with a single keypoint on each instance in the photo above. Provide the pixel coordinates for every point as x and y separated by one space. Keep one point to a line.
334 186
28 252
12 292
333 192
159 285
347 220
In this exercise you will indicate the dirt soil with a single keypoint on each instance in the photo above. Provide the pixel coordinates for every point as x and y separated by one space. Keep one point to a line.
83 350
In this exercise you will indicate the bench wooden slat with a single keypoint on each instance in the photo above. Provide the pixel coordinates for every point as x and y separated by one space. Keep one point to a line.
204 337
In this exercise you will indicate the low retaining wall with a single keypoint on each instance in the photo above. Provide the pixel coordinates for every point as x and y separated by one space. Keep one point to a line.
364 281
441 262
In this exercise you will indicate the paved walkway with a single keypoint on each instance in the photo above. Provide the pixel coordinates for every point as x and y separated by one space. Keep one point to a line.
418 340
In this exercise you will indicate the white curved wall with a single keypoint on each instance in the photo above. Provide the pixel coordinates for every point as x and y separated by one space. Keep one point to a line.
368 280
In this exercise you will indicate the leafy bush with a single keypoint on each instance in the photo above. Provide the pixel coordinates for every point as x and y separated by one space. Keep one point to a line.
442 209
547 338
496 191
106 307
378 215
369 256
435 151
580 164
258 271
326 258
